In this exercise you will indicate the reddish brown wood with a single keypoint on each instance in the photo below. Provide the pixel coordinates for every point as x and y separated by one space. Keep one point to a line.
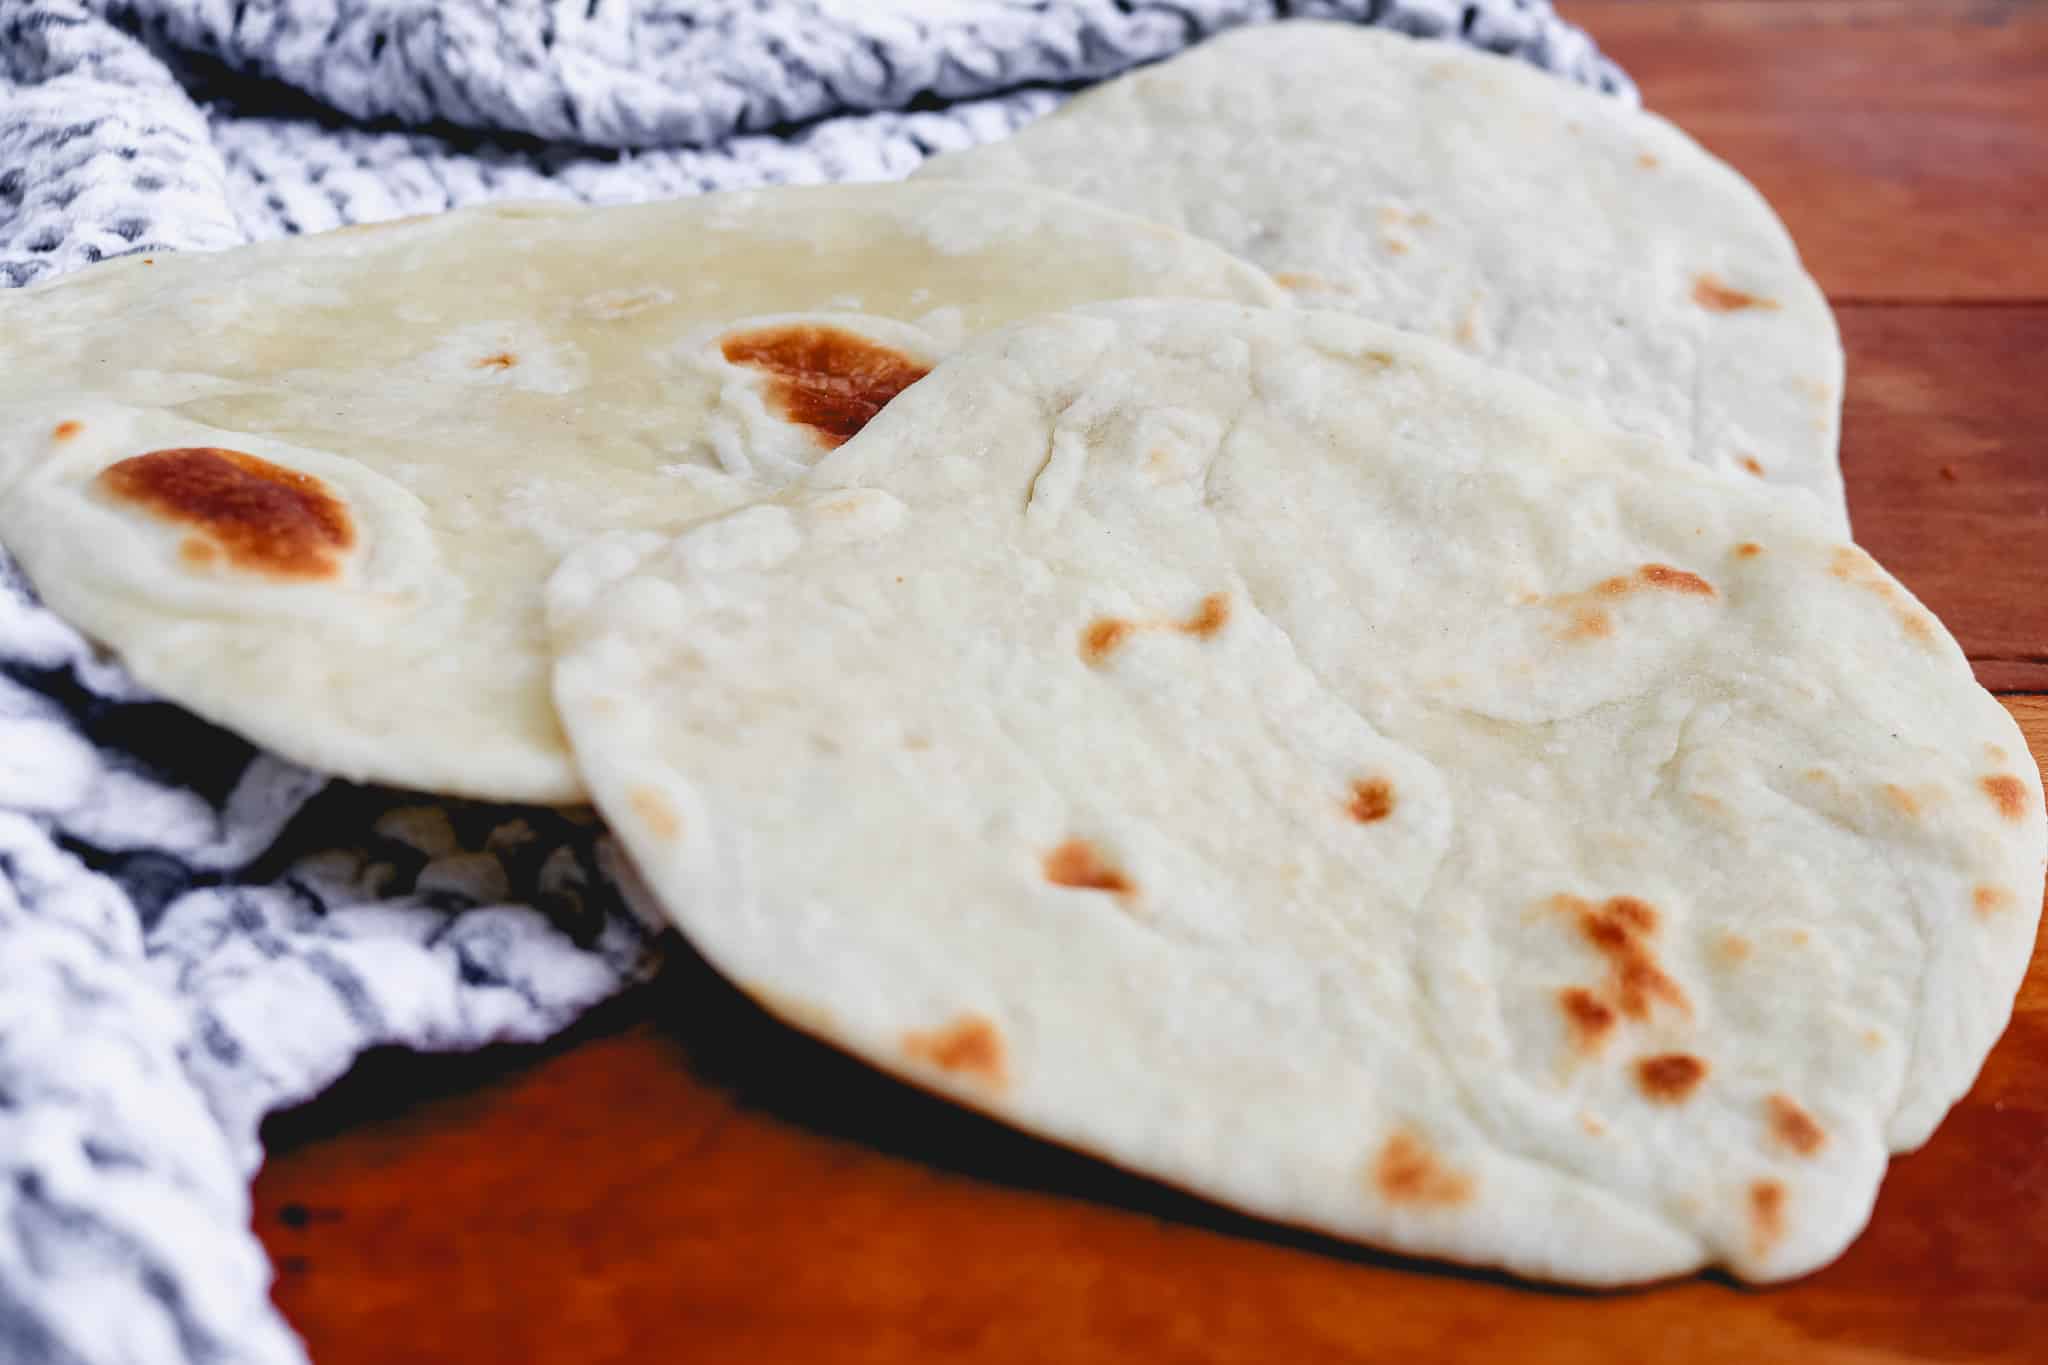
1904 142
1945 449
682 1179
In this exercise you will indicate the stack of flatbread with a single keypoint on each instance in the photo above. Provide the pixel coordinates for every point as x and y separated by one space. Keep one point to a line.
1291 627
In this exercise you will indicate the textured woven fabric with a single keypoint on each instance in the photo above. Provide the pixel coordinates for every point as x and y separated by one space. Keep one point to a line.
193 933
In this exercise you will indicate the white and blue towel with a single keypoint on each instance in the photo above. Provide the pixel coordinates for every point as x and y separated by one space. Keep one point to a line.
194 933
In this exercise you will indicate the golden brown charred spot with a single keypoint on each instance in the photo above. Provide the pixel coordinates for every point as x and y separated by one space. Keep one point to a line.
502 360
1101 639
1637 914
1619 931
1646 161
265 518
1794 1127
1917 626
1989 900
828 379
1589 1017
1904 801
1396 247
1735 948
1407 1172
1209 618
1675 580
1853 566
1658 576
1766 1215
2008 793
1753 465
1589 623
1716 297
969 1047
1748 549
1372 799
1076 863
64 431
654 810
1671 1077
199 553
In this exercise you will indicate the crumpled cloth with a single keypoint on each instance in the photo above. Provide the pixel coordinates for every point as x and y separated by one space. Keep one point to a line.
194 933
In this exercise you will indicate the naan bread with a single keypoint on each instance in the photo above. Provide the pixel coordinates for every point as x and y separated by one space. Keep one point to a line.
1288 759
313 489
1587 245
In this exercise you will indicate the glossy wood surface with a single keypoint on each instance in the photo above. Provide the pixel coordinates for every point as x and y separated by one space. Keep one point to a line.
681 1179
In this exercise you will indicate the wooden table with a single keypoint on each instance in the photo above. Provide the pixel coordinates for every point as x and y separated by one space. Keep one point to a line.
681 1179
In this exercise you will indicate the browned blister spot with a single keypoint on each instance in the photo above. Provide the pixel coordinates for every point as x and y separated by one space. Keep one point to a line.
266 519
1902 800
1659 576
2008 793
1619 931
1853 566
1753 465
1735 948
969 1047
1396 247
826 378
1671 1077
1101 638
1372 799
1675 580
1989 900
1917 626
1794 1127
1716 297
64 431
198 552
1408 1172
1076 863
1589 623
1209 618
1589 1017
661 818
1748 549
1766 1215
502 360
1646 161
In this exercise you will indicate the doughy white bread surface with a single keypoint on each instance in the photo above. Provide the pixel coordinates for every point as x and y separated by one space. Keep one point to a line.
1288 759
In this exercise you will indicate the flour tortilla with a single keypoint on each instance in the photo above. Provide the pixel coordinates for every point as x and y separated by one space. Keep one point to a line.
381 440
1293 761
1592 247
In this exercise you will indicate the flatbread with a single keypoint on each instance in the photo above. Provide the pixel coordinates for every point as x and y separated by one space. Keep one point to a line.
1590 246
1295 762
312 489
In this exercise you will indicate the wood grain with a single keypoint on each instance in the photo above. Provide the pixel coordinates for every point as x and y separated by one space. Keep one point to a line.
1904 144
1945 450
681 1178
